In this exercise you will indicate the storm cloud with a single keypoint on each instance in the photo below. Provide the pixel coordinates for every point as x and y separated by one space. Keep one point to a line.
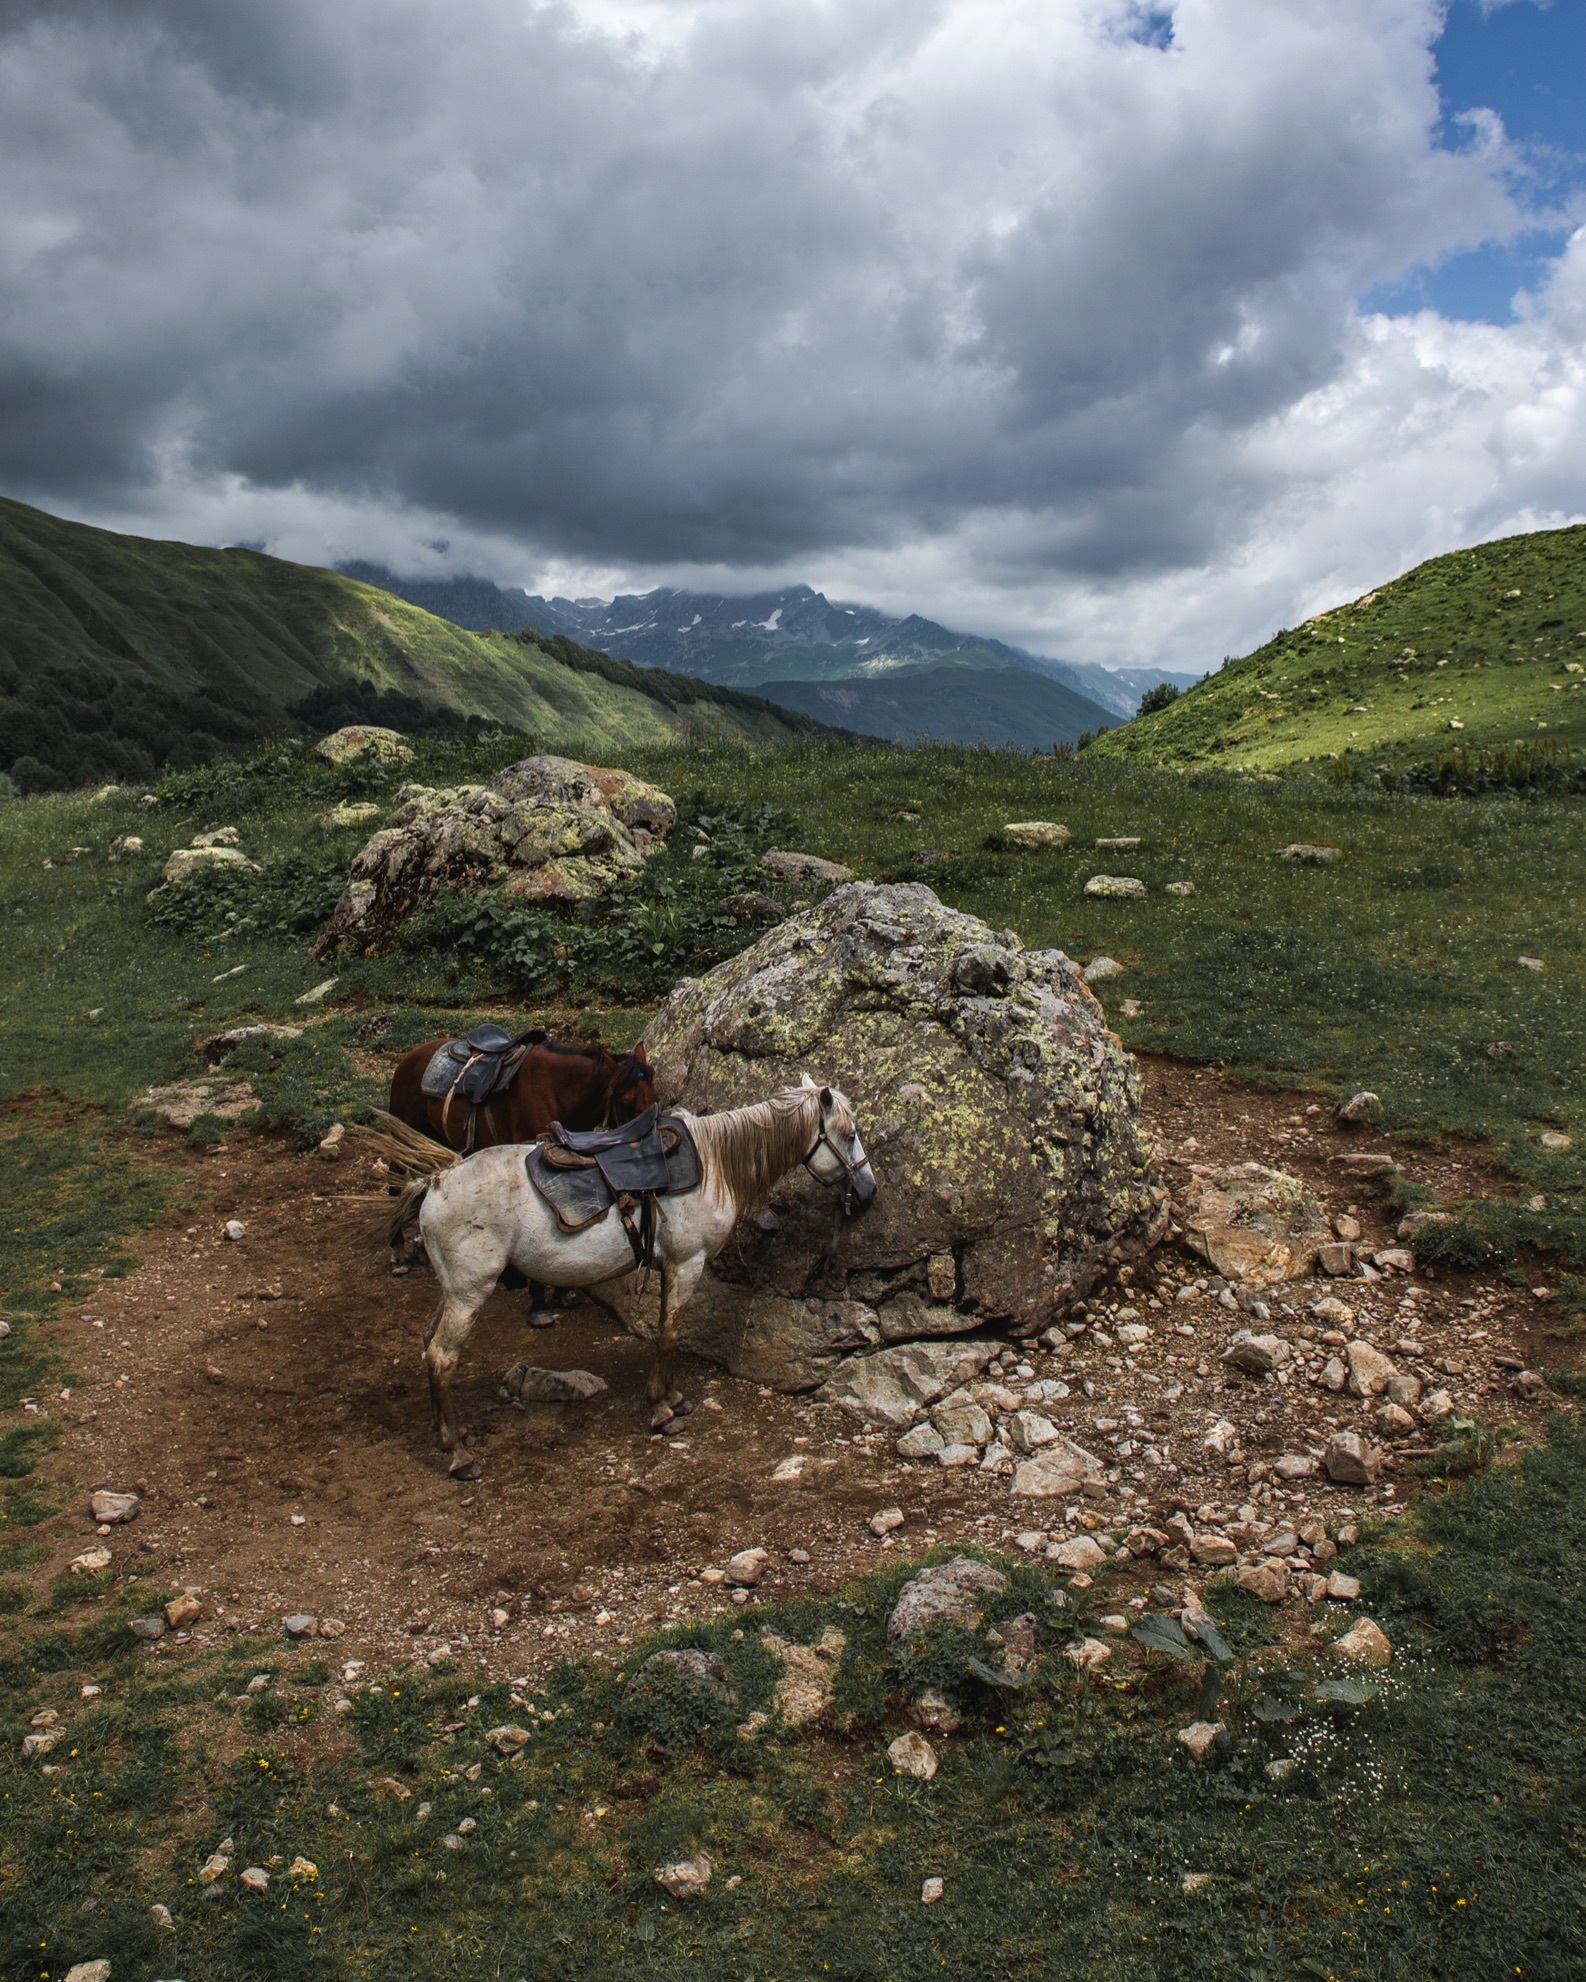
1039 313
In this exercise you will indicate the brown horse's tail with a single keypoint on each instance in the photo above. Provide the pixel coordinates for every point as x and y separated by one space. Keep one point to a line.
406 1149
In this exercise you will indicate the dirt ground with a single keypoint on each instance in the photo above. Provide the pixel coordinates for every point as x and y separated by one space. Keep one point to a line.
265 1399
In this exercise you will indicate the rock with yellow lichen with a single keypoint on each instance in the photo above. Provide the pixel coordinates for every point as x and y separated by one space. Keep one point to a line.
548 828
1000 1114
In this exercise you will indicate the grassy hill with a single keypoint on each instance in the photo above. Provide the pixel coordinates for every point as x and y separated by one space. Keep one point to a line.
1476 651
120 655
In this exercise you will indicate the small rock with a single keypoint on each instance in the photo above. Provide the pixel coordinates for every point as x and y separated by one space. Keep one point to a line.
317 992
942 1276
254 1877
1342 1588
1029 834
1100 968
1370 1371
110 1510
1060 1471
1145 1541
1364 1642
234 1229
330 1143
1531 963
340 818
1199 1736
886 1521
1394 1421
1213 1551
214 1867
188 861
149 1628
1194 1882
527 1383
160 1916
1295 1466
1554 1139
946 1590
1028 1431
89 1971
1118 845
1258 1354
1438 1406
1394 1259
1181 887
302 1868
181 1611
930 1891
790 1470
961 1423
1405 1390
912 1755
300 1625
90 1562
1334 1374
747 1567
1310 855
1088 1653
1336 1258
508 1739
803 867
921 1443
1267 1580
1115 887
957 1455
1351 1460
1347 1227
331 1627
686 1876
1528 1383
1080 1553
1360 1107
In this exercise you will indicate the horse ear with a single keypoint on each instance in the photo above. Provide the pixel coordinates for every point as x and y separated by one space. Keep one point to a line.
805 1081
826 1097
638 1054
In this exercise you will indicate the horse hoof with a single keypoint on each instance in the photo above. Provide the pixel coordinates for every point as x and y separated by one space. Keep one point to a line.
681 1408
661 1415
538 1318
674 1427
464 1468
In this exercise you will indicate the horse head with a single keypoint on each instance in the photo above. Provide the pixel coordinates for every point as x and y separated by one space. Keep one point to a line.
838 1157
630 1088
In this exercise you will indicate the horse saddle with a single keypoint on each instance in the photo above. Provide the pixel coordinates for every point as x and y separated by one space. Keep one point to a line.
580 1176
475 1069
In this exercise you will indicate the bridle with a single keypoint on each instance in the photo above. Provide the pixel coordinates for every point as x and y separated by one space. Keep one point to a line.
849 1203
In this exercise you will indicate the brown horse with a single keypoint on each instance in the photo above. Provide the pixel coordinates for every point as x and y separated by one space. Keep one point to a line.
582 1087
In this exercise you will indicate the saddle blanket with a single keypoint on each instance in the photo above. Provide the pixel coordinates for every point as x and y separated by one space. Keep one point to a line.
482 1065
575 1186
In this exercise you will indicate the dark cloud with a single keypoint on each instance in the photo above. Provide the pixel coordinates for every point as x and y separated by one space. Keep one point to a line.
717 284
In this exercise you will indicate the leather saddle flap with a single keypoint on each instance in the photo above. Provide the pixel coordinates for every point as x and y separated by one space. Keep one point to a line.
461 1067
584 1192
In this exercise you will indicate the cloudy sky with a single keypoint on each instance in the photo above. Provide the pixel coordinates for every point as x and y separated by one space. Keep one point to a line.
1127 331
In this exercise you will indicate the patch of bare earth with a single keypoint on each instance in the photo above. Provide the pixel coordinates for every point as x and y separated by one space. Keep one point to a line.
265 1399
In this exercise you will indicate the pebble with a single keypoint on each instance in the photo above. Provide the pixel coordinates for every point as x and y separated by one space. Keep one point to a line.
508 1738
1257 1354
1364 1642
90 1562
161 1917
1102 967
1295 1466
1359 1108
300 1625
149 1628
884 1523
1370 1371
1115 887
110 1510
89 1971
1267 1580
1088 1652
912 1755
181 1611
1199 1736
234 1229
1342 1588
747 1567
686 1876
930 1892
1351 1460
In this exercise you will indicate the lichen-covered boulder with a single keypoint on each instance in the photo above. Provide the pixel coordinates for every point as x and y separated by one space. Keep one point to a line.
998 1110
550 829
188 861
342 746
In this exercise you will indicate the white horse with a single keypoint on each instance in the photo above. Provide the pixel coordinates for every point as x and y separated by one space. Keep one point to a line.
482 1214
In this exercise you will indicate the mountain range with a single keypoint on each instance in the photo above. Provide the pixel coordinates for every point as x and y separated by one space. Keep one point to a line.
797 648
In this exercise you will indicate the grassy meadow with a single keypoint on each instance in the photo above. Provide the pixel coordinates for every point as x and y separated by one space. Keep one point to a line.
1431 1827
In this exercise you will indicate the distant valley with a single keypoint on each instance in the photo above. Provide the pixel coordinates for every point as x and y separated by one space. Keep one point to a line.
854 665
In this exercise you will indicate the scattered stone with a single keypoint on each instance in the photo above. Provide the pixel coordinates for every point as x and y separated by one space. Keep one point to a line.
1554 1139
1089 1653
957 1455
344 746
1295 1466
1267 1580
1394 1259
745 1569
1080 1553
912 1755
889 1386
692 1661
1117 846
686 1877
1199 1736
946 1590
1115 887
214 1867
110 1510
1028 1431
1213 1551
160 1916
931 1891
935 1711
40 1742
1309 855
961 1423
1364 1642
1258 1354
181 1102
1059 1471
329 1147
1531 963
89 1971
941 1276
887 1521
1180 887
348 814
90 1562
809 1674
1394 1421
1438 1406
921 1443
234 1229
1335 1374
1336 1259
220 1046
526 1383
300 1625
1346 1227
1370 1371
1028 834
1404 1390
1145 1541
901 1002
1100 968
181 1611
1255 1226
1194 1882
189 861
1351 1460
508 1739
1360 1108
254 1878
302 1868
803 867
1342 1588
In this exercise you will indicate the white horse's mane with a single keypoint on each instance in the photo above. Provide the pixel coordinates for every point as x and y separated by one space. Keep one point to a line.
749 1149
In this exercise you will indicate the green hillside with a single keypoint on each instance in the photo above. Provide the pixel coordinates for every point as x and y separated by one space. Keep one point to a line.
1479 650
120 655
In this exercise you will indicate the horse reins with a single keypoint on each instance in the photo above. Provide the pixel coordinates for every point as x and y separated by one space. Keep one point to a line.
847 1203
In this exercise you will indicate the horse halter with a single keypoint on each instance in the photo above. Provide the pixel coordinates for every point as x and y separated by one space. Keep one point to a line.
849 1203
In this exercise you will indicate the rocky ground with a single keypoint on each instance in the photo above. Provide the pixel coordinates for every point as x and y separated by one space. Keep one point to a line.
262 1398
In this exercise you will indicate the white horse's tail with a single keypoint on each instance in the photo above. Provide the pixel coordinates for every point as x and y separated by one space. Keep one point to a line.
409 1149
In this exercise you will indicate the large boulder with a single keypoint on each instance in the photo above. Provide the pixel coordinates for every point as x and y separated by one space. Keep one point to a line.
345 746
551 830
998 1110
